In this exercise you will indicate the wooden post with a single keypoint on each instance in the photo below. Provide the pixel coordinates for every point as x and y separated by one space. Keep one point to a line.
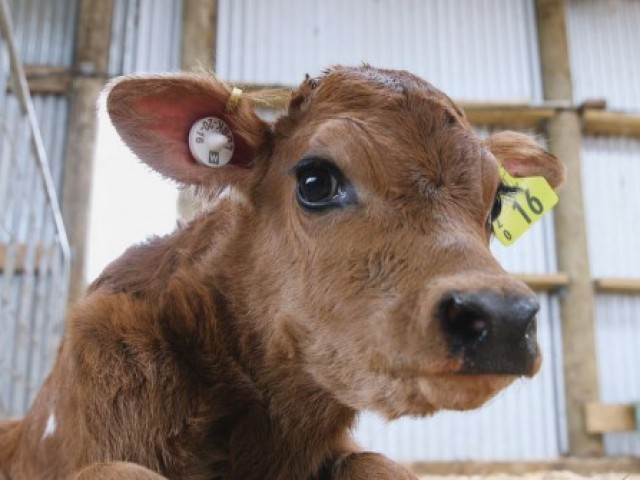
199 34
89 77
578 305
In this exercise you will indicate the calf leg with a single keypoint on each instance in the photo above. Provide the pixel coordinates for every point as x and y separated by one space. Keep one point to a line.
370 466
116 471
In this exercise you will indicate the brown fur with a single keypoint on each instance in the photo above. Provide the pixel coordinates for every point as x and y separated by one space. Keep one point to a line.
243 345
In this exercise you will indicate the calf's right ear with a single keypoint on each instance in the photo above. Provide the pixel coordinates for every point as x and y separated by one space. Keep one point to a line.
521 156
154 115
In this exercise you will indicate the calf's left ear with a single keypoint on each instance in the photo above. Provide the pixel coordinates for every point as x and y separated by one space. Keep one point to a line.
154 116
521 156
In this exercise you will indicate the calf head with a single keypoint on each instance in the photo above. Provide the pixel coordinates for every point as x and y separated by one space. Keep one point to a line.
362 257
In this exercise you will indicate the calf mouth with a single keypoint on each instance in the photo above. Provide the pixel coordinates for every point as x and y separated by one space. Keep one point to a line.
428 394
452 383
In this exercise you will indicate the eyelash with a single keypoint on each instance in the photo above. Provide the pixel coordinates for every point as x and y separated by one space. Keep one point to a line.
503 190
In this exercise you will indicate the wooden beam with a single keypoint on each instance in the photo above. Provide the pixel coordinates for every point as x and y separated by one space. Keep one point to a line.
595 120
600 122
577 304
544 282
579 465
89 77
506 115
199 34
625 286
48 79
603 418
40 253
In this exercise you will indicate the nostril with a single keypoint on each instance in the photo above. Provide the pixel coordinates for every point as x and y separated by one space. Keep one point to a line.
526 309
493 332
462 320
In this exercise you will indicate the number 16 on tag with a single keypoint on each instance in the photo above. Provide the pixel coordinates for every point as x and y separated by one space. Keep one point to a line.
520 210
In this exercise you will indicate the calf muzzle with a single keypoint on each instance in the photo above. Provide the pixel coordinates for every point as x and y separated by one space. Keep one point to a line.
493 333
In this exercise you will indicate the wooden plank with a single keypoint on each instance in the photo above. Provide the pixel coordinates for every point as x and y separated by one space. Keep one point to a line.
199 34
601 122
506 115
41 252
627 286
48 79
545 282
595 120
602 418
578 465
577 304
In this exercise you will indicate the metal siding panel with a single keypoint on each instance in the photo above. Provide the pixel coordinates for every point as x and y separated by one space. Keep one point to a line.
603 44
611 173
45 30
474 50
44 36
618 337
146 36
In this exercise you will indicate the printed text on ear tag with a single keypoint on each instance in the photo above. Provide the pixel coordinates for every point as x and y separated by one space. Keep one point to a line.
523 208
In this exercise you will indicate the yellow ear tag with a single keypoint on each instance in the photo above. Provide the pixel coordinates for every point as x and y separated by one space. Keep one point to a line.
523 208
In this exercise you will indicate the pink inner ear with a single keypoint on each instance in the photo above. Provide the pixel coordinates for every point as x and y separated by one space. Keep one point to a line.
174 117
520 169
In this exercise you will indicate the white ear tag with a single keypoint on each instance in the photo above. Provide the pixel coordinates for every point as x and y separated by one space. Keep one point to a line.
211 142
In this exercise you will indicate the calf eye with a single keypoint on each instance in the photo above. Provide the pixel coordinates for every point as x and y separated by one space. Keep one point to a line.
322 185
317 185
496 209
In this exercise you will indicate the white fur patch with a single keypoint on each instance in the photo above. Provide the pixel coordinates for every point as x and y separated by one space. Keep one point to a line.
232 194
190 205
50 427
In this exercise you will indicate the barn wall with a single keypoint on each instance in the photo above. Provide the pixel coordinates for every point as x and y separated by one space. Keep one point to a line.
145 37
32 300
611 178
603 41
477 50
480 49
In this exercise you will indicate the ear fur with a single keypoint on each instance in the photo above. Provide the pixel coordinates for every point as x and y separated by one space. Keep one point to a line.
153 115
521 156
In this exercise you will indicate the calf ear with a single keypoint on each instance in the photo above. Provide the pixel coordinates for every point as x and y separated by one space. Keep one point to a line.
154 116
521 156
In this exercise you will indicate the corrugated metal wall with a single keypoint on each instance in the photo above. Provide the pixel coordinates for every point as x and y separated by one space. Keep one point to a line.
480 50
32 298
603 40
145 37
611 168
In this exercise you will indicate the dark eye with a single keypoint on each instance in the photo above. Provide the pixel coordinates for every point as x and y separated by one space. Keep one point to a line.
496 209
317 185
322 185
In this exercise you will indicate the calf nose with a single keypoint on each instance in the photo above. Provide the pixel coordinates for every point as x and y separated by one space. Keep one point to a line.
495 334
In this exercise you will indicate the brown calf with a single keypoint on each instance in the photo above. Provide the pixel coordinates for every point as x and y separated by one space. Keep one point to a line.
345 267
